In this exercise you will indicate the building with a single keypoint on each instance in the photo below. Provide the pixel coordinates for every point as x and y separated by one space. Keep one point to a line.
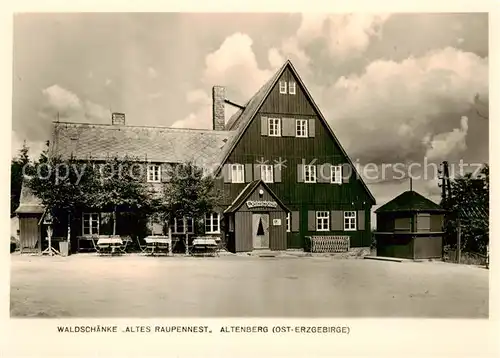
283 171
410 226
29 212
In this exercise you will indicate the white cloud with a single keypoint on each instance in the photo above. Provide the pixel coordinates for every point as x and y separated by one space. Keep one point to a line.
108 82
61 103
397 104
445 146
152 73
61 100
198 96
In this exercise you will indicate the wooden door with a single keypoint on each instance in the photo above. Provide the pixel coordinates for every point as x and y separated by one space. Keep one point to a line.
260 231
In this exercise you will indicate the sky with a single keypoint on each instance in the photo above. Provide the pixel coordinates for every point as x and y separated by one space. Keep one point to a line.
395 88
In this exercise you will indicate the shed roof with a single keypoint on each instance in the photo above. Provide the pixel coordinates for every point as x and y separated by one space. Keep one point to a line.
409 201
29 203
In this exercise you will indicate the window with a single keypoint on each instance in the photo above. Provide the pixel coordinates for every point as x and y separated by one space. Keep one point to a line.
179 226
322 220
154 173
237 173
336 172
288 223
274 127
349 220
282 87
291 87
402 224
90 223
309 174
212 223
266 173
301 128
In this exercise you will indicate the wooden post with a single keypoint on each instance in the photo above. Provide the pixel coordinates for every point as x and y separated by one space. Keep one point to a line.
186 238
49 237
114 221
459 244
170 239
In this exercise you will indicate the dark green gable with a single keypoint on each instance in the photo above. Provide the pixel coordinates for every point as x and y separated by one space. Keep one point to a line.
254 146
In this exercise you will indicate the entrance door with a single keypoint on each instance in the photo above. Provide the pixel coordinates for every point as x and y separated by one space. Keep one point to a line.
260 231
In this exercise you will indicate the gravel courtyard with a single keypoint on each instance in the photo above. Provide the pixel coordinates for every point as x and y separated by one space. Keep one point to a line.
136 286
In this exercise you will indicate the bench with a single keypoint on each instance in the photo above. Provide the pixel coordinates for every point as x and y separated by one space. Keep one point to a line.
205 245
329 244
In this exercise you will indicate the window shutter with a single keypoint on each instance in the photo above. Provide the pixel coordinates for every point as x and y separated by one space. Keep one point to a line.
311 220
295 224
288 127
361 219
256 172
337 220
248 173
226 173
346 173
310 130
323 173
300 173
263 126
277 173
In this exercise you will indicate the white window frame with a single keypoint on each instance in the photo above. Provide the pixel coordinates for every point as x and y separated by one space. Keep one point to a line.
291 85
237 173
212 223
154 173
189 222
91 226
274 127
311 178
267 173
350 220
336 174
283 85
322 221
301 128
288 222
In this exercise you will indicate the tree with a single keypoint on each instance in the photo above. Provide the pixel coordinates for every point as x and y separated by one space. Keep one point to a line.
19 165
122 188
188 194
469 199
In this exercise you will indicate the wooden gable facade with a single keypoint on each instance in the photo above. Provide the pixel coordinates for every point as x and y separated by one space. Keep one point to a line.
288 153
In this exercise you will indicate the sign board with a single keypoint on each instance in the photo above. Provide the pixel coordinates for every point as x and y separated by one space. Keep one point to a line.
261 204
276 222
47 220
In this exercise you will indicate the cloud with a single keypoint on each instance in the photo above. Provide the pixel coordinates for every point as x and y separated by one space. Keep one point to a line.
233 65
445 146
61 101
398 105
152 73
108 82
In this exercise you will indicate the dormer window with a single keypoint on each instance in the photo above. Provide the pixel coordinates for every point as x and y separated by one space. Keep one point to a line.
154 173
283 88
291 87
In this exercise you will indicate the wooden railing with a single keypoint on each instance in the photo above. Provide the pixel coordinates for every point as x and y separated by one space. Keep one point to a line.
328 244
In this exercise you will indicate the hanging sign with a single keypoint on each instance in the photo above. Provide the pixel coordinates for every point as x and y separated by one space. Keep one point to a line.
261 204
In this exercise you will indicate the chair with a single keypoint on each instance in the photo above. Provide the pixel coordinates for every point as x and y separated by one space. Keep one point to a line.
144 249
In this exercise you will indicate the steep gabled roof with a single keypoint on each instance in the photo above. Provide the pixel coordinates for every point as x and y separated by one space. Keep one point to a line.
29 203
240 121
410 201
156 144
247 191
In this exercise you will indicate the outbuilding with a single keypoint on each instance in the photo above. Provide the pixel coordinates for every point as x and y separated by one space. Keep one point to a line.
410 226
29 212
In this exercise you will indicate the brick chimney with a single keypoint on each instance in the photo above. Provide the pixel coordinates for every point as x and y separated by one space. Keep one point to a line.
118 119
218 107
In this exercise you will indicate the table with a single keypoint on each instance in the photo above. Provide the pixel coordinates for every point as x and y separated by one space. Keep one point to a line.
158 244
205 244
110 244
